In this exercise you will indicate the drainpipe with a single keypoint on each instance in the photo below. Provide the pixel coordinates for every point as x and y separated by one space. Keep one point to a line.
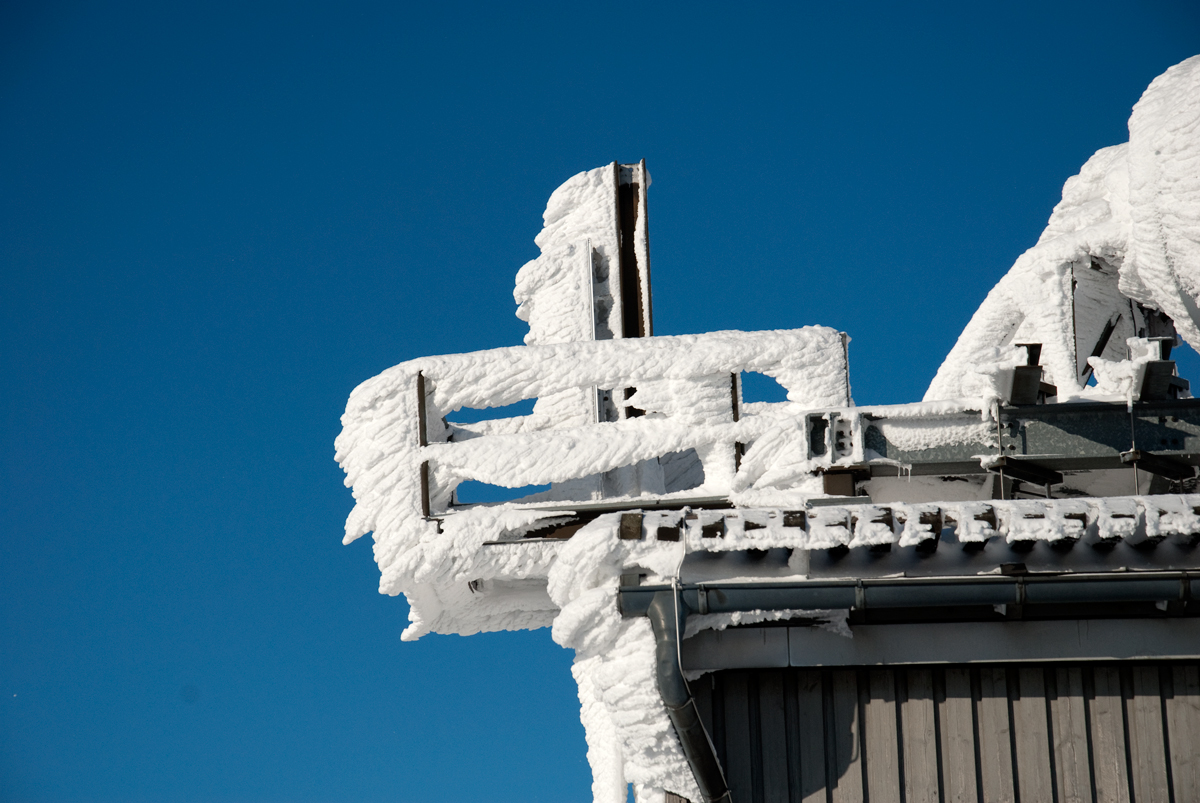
667 615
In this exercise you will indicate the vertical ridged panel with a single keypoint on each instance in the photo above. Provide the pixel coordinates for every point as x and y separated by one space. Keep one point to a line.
1056 733
737 736
1147 751
919 737
957 719
995 746
1109 768
880 728
810 706
1068 723
846 757
702 693
1183 726
1032 736
773 735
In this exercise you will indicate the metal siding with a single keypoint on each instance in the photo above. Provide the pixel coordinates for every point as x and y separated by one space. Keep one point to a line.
810 709
843 744
956 717
739 768
1109 766
952 643
919 736
995 742
880 728
773 729
791 716
1032 736
1059 733
1068 725
717 731
1183 725
702 693
1147 752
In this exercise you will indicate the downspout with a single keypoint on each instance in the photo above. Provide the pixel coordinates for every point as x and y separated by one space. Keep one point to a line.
667 613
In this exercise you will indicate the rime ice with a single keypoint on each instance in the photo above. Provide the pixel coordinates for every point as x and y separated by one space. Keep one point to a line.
660 475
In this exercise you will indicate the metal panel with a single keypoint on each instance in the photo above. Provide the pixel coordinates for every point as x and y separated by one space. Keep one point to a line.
1031 735
1147 752
880 728
1109 767
1183 727
995 735
810 710
977 642
1066 733
844 744
737 737
1062 435
702 693
736 648
956 716
1068 724
919 736
773 730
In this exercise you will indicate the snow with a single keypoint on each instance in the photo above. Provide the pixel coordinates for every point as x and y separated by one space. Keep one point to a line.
614 659
468 569
1121 380
1162 265
379 444
928 433
578 245
1128 227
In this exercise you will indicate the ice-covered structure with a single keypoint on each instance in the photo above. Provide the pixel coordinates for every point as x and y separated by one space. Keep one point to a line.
1120 257
814 600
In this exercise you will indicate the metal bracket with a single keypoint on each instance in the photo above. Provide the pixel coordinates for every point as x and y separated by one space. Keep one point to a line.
1025 471
1161 465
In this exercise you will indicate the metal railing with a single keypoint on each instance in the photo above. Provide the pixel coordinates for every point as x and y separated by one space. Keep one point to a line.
605 406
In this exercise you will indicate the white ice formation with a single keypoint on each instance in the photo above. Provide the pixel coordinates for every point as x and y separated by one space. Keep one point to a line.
625 421
1121 249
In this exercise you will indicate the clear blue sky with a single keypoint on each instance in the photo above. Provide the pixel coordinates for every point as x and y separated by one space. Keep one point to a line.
217 218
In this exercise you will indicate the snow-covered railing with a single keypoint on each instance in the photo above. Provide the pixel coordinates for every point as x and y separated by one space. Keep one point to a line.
677 395
404 459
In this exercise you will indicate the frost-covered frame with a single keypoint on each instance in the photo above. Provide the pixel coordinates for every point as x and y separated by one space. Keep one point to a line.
1051 469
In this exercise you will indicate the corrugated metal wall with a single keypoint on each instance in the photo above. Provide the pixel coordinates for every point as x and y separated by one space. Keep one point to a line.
1032 733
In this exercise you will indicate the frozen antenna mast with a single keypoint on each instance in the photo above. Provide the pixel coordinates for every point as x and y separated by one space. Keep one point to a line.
813 600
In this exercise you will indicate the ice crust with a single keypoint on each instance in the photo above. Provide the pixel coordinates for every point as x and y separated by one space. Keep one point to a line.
553 292
1127 227
466 570
378 446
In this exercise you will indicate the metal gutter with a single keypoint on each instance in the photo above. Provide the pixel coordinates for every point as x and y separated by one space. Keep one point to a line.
667 615
921 592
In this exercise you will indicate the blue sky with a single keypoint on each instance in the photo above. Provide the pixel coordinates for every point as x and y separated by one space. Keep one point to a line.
217 218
